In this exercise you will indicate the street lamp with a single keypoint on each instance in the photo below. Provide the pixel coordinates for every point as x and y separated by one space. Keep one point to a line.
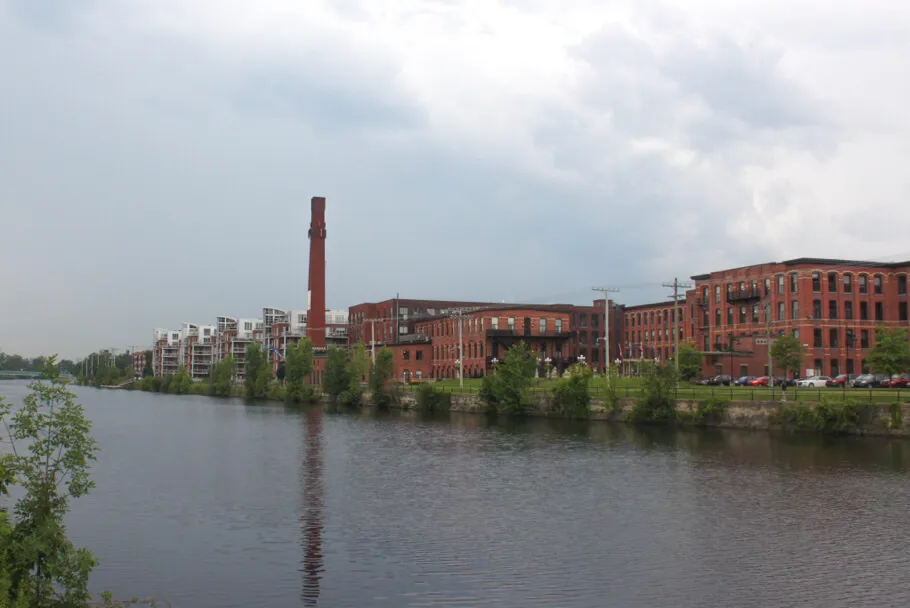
581 359
547 361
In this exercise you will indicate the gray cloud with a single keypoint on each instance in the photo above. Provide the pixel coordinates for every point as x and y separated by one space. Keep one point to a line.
151 175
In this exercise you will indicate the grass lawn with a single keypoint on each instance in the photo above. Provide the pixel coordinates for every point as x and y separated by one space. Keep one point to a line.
631 387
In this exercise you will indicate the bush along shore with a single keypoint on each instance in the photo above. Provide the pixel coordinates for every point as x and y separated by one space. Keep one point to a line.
351 379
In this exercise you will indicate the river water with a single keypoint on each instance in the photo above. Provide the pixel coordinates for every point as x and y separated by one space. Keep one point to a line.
213 503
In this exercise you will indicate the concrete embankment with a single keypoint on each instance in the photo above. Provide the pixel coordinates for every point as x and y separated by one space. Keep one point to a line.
878 420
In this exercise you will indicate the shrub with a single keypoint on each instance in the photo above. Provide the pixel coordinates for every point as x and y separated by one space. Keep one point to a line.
710 411
571 395
896 416
506 389
380 377
431 400
829 417
658 402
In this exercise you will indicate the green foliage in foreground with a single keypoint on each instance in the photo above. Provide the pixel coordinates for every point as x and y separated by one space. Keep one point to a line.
708 411
298 366
828 417
49 454
381 377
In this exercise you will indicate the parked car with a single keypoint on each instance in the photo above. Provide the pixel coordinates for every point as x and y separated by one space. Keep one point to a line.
743 380
704 381
760 381
870 380
842 380
901 381
721 380
814 382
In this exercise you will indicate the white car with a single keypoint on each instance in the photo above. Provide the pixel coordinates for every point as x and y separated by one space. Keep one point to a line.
814 381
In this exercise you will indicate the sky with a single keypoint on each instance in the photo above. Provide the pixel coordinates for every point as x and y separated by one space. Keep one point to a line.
157 157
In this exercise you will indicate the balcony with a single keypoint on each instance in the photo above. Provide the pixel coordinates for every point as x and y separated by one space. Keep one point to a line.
517 334
745 295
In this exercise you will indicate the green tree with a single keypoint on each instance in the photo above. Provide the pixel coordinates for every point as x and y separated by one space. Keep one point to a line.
506 389
891 353
380 378
298 367
180 384
358 365
257 372
222 377
147 369
658 395
690 360
51 451
571 395
336 380
787 354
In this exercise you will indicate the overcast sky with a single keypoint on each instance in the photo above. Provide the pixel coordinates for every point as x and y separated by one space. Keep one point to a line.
157 157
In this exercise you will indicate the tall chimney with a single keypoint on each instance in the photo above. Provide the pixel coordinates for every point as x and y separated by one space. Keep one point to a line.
316 316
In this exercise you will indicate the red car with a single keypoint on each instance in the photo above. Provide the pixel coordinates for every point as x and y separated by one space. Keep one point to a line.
902 381
842 380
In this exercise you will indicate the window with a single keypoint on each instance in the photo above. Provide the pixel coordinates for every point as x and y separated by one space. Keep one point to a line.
717 317
796 334
595 321
595 355
207 332
794 282
658 317
816 282
666 316
816 309
835 368
850 338
704 318
742 287
780 284
794 309
729 315
849 366
742 314
864 338
818 366
582 337
877 281
754 287
863 311
901 311
651 317
705 346
704 294
902 285
755 313
543 327
639 318
781 313
559 326
879 312
729 291
583 320
419 356
832 338
767 287
406 356
817 337
832 282
717 294
832 309
494 322
863 284
248 326
848 283
848 309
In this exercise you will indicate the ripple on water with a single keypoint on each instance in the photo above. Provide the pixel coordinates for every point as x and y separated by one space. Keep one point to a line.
216 504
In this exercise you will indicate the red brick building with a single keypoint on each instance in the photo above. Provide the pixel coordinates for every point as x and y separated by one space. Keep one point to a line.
488 332
648 330
832 306
588 324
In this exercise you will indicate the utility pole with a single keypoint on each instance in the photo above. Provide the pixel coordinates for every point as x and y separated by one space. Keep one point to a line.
676 285
459 314
606 291
372 323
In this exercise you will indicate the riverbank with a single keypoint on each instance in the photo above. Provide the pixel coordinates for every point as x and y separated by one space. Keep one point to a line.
834 417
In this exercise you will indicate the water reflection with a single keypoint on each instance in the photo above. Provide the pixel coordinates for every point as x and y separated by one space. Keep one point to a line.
313 508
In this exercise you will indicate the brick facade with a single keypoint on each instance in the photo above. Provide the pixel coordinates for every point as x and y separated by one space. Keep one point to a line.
832 306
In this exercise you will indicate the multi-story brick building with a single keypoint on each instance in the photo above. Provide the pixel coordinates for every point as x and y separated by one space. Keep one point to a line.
394 319
648 331
486 334
588 324
832 306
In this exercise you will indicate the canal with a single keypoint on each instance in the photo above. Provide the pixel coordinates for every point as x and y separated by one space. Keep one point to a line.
212 503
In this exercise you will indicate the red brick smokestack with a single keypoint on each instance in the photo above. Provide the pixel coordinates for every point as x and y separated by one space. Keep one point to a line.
316 316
